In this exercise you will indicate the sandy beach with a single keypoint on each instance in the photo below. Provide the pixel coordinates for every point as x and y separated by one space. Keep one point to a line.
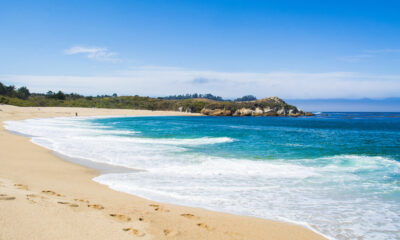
43 196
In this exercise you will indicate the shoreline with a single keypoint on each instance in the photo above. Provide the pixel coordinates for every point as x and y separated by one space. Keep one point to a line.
39 180
101 168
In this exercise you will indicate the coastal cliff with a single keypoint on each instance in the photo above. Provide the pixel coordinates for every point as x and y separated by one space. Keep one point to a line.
271 106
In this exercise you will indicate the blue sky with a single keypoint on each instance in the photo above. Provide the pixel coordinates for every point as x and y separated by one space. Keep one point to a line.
292 49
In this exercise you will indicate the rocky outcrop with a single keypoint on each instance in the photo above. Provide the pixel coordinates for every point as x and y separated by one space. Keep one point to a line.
216 112
243 112
187 110
272 106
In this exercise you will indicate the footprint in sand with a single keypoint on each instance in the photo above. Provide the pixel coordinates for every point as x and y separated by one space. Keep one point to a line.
81 200
6 197
203 225
189 216
170 233
30 197
95 206
21 186
134 232
158 208
69 204
52 193
120 217
35 196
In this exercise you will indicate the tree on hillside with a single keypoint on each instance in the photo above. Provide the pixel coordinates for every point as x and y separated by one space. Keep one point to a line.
195 95
246 98
59 95
74 96
50 94
10 91
2 89
7 90
23 93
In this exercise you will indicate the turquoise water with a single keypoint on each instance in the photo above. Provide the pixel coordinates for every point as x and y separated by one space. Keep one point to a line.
276 138
336 173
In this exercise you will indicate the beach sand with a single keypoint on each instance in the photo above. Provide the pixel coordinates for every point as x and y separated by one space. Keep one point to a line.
45 197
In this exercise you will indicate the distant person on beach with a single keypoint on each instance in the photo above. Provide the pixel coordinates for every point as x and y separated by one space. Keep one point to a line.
76 114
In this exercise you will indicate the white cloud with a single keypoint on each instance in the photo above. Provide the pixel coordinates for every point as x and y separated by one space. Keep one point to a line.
161 81
101 54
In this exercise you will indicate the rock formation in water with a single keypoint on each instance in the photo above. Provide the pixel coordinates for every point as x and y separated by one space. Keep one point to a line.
272 106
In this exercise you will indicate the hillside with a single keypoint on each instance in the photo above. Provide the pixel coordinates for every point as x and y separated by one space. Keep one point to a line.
272 106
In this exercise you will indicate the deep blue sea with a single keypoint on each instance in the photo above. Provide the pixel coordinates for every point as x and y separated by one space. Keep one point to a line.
336 173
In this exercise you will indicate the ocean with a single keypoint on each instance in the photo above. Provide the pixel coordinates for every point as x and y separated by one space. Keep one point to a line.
336 173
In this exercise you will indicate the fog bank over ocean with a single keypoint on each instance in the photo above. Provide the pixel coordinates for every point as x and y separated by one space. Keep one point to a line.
347 105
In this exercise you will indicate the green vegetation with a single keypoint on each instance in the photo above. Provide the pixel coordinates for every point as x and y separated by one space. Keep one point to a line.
23 97
262 103
246 98
195 95
186 103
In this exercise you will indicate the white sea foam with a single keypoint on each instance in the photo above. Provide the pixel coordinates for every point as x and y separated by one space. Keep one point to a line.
325 194
76 138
